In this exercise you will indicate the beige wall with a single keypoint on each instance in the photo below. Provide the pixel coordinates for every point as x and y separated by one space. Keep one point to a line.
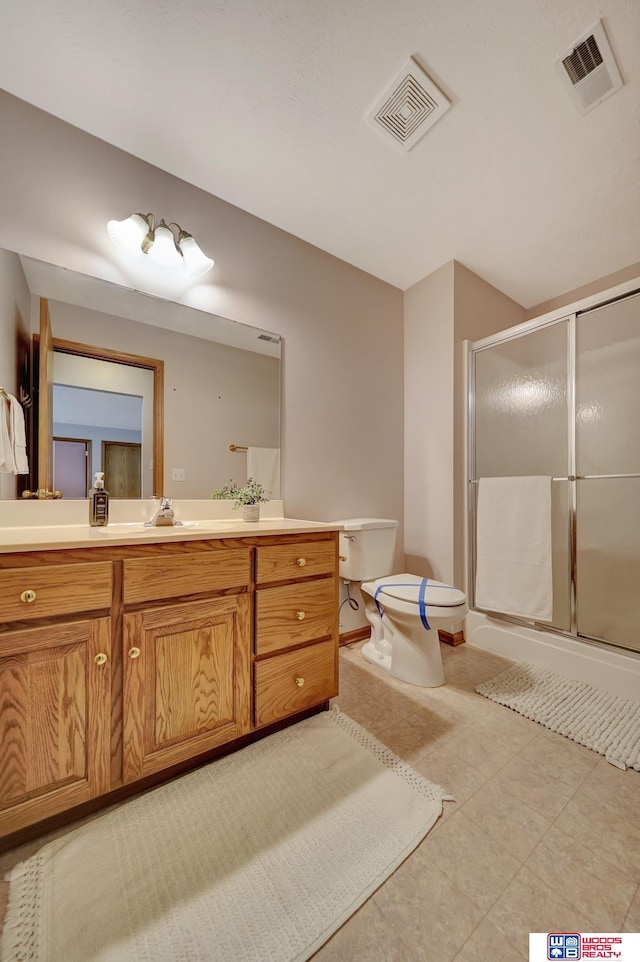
442 311
428 400
342 443
595 287
15 307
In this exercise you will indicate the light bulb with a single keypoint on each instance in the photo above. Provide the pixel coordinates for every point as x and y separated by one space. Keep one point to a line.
163 251
128 234
195 261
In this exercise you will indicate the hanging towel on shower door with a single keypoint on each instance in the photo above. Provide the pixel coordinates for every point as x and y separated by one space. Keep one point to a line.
513 547
263 465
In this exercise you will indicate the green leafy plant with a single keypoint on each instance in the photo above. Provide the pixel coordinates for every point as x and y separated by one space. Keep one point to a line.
250 493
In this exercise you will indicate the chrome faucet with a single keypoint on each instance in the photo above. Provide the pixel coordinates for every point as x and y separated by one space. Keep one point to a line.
164 515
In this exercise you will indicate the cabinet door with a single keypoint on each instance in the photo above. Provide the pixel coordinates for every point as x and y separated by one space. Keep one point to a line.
187 679
55 685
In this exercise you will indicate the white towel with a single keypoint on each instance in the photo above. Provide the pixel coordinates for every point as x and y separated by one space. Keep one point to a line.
7 459
513 547
263 465
18 436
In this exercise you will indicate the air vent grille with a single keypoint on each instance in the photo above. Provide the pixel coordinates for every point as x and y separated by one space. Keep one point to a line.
589 70
272 338
583 60
409 106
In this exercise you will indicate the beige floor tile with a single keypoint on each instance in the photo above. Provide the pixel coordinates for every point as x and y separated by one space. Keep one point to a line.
557 757
410 741
506 819
487 944
528 905
608 786
632 921
591 884
372 716
611 834
456 776
467 704
365 937
539 790
486 748
432 917
478 865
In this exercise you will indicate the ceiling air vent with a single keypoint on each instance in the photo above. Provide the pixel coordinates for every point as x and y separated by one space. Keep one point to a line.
588 69
272 338
409 106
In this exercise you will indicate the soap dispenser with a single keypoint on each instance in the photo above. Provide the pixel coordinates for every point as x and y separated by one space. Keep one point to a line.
98 502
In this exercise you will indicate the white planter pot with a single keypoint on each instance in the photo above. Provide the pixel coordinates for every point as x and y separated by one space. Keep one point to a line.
250 512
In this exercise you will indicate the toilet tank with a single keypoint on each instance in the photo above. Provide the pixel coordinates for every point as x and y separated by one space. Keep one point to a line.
368 544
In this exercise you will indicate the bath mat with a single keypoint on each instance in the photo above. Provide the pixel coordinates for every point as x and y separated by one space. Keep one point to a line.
603 722
257 857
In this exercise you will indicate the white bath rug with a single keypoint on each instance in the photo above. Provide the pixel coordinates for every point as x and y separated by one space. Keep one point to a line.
603 722
256 857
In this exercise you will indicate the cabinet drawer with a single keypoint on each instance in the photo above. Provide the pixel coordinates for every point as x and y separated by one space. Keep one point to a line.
190 573
293 614
284 561
54 590
289 683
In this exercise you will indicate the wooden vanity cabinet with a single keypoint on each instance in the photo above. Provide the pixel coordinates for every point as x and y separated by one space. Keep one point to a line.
131 660
296 634
186 666
55 690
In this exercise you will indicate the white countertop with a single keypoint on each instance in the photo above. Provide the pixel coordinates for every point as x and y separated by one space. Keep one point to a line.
50 537
47 525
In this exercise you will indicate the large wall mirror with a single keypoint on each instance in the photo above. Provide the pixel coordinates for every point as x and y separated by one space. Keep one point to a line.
164 398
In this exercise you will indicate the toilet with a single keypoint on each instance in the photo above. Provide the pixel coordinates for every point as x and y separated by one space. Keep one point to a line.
404 610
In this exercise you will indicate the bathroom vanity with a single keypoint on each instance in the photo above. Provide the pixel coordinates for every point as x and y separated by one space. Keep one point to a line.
128 656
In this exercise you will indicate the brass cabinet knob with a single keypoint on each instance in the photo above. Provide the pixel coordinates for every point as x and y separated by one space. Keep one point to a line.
134 652
299 682
28 596
301 562
300 615
100 658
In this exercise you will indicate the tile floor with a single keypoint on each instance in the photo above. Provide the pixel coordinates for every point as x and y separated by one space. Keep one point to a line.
543 836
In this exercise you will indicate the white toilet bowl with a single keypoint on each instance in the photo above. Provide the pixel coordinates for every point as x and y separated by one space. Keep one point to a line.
405 612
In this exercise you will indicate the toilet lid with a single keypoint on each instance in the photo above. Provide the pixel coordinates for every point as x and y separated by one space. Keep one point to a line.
407 588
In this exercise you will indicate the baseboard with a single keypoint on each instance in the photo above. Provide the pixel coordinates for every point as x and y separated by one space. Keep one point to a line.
451 637
360 634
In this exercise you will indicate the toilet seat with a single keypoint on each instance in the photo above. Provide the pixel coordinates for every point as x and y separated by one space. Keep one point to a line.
407 588
422 598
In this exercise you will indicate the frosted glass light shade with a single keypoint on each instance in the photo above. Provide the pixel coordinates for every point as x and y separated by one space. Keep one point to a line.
195 261
128 234
163 251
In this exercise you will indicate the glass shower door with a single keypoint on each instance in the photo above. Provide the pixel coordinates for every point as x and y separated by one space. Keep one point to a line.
608 471
521 414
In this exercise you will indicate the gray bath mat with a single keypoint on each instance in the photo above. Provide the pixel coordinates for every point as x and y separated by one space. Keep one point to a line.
603 722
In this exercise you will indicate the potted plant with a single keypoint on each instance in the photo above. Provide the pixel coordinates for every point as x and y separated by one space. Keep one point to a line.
248 496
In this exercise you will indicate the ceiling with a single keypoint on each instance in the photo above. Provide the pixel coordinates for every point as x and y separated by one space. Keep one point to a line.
262 103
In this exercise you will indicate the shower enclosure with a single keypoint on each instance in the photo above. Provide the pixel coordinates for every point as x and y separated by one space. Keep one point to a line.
561 398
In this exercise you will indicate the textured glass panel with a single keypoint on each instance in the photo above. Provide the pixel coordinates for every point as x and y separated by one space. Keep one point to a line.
608 560
608 389
521 406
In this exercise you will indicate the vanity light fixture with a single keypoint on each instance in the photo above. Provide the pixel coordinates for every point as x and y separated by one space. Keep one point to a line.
167 244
